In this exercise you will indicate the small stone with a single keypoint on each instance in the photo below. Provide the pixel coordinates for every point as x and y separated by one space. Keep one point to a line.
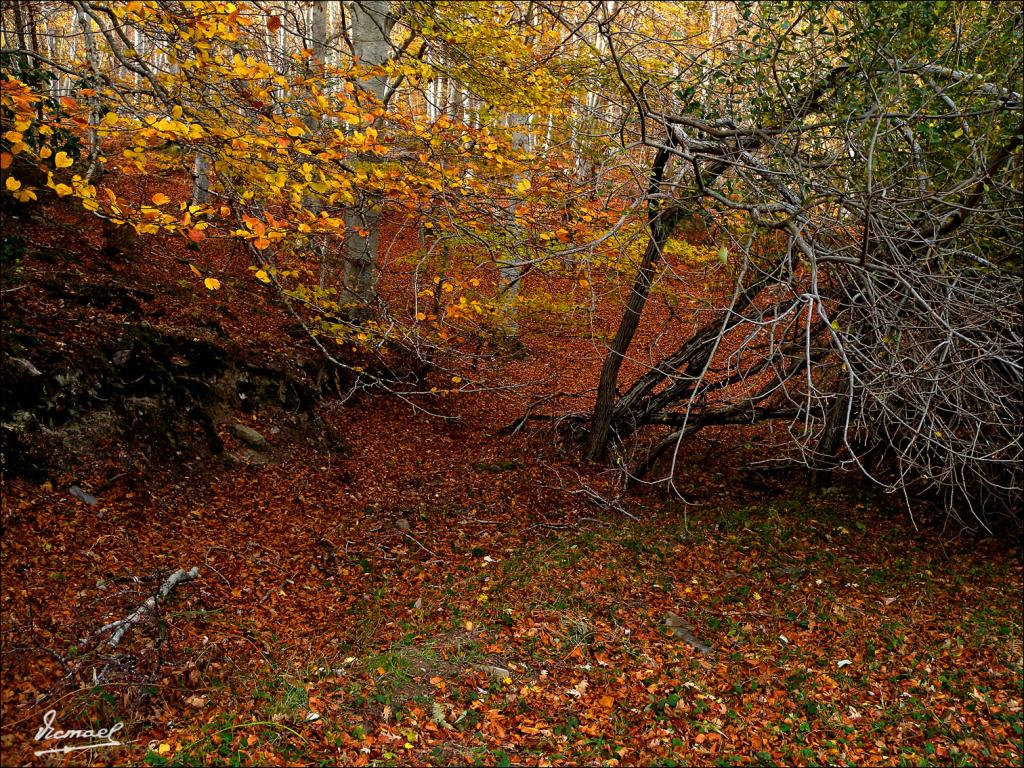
248 435
498 673
684 631
403 525
24 366
81 495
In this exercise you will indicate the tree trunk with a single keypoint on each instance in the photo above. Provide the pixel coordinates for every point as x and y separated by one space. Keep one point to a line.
371 25
201 179
510 269
600 429
362 232
660 225
93 59
318 32
318 43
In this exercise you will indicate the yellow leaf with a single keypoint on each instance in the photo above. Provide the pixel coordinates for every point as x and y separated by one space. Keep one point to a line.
523 186
110 118
212 283
62 160
160 199
469 626
295 131
163 749
12 184
44 153
456 379
262 276
63 190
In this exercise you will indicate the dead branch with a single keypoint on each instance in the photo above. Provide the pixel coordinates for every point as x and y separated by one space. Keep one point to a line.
121 626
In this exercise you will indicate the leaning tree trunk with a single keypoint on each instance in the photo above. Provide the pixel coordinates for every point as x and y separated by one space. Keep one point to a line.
660 225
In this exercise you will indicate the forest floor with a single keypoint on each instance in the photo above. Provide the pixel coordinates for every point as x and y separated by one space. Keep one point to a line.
434 591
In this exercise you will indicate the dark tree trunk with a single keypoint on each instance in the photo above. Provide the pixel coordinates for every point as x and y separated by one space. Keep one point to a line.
660 225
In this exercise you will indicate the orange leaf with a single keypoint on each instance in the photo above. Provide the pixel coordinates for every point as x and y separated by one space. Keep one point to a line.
196 236
160 199
273 23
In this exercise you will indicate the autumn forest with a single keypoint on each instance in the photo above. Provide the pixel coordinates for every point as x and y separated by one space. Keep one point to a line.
511 382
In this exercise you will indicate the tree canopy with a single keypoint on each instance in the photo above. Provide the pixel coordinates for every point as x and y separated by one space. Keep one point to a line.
847 175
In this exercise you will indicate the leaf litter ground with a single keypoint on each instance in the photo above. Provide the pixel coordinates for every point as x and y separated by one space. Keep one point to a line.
441 593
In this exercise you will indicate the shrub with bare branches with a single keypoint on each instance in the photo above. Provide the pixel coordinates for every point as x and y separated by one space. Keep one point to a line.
881 144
